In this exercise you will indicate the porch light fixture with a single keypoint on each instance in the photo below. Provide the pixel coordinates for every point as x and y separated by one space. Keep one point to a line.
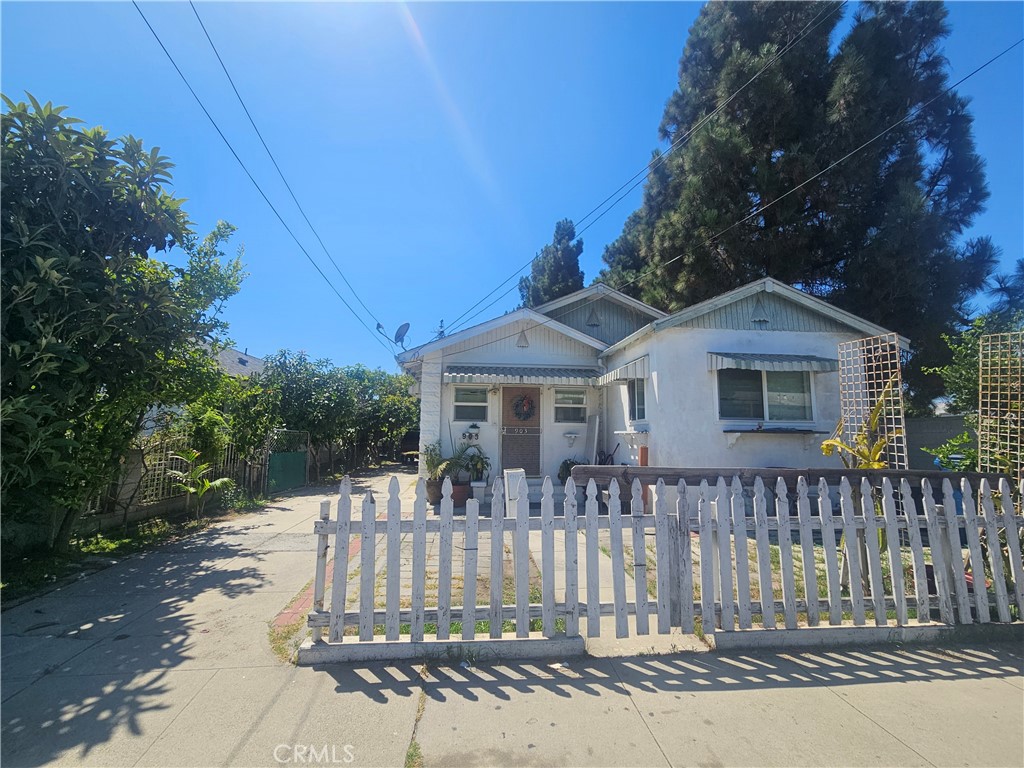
593 321
522 342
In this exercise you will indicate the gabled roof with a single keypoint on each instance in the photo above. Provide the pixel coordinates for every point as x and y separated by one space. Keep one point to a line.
518 315
764 285
238 363
603 291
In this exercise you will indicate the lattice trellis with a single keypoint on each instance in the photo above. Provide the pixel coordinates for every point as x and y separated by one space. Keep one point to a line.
1000 369
869 374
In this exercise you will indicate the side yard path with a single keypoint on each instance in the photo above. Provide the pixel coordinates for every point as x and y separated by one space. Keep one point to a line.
165 660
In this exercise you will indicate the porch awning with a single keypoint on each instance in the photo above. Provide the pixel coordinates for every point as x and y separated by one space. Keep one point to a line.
637 369
753 361
502 374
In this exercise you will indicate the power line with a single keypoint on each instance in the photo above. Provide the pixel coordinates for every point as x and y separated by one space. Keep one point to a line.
259 189
277 167
781 197
640 176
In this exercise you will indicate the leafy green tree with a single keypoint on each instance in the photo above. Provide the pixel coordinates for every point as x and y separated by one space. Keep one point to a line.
555 271
881 235
95 330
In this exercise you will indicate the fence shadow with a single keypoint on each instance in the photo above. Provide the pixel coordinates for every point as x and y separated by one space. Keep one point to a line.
676 673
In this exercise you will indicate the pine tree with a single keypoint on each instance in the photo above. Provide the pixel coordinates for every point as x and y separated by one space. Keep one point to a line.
555 271
880 235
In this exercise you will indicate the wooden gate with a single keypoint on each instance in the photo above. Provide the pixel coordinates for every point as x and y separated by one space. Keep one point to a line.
719 558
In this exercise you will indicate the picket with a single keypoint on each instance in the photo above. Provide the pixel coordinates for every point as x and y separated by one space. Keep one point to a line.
938 541
828 544
722 515
521 558
764 561
394 572
593 574
444 570
803 511
419 556
684 547
786 554
547 559
892 541
662 548
339 579
1013 541
469 566
367 567
916 553
977 563
995 554
956 553
639 542
738 511
721 527
852 552
572 605
705 515
618 560
494 617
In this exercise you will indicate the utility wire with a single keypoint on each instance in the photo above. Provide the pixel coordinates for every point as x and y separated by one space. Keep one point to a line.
781 197
259 189
640 176
277 167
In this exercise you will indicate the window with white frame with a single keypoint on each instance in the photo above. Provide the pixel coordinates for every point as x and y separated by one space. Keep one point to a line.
570 406
764 395
636 393
470 404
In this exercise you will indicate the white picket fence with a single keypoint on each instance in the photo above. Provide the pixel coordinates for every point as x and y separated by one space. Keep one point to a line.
723 556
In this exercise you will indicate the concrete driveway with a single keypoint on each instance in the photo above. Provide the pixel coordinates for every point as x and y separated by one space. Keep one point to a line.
164 660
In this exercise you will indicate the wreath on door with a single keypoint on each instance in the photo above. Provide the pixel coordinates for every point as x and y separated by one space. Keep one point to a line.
523 407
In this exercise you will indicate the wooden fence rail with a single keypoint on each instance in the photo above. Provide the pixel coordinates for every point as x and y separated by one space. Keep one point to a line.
724 556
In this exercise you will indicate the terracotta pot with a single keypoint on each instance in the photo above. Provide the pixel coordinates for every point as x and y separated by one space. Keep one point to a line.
460 494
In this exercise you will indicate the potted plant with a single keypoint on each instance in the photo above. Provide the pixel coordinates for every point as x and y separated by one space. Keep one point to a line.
477 463
435 465
454 468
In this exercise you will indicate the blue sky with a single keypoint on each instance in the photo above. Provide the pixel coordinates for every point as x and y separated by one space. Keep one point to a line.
434 146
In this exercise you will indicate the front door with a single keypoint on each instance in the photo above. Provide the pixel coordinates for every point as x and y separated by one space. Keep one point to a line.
520 429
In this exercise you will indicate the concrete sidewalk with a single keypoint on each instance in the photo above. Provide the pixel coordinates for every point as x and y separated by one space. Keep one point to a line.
164 660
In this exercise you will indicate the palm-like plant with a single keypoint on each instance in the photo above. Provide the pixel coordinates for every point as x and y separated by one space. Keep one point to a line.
194 482
867 450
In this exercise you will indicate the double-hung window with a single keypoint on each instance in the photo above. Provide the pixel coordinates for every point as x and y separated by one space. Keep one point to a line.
637 399
764 395
570 406
470 404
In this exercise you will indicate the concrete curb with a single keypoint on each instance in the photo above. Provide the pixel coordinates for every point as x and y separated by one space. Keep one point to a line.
508 648
814 637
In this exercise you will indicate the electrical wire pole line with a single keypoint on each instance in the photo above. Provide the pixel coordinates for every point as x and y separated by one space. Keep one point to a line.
253 179
277 167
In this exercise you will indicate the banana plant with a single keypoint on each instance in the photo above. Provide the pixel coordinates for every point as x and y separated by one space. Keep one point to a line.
194 482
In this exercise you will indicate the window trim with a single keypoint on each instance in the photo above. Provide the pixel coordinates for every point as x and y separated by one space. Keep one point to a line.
764 401
455 404
555 405
633 413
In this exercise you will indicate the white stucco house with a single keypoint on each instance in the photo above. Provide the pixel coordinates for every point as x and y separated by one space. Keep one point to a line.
746 379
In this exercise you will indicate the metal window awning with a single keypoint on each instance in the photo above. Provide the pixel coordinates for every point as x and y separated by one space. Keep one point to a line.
752 361
502 374
636 369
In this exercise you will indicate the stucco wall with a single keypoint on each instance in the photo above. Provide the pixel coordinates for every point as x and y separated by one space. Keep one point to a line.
682 412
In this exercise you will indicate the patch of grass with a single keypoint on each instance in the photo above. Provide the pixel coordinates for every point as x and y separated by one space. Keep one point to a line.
283 639
413 755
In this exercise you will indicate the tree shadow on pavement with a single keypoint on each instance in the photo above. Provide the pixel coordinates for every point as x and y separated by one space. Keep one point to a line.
95 659
677 673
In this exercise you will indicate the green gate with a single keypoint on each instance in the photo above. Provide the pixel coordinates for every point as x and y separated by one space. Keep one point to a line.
286 465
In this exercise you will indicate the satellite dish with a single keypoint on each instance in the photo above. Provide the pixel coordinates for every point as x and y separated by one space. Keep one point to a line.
400 334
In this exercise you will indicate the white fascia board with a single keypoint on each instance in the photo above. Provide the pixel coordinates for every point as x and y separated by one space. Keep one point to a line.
601 289
498 322
633 338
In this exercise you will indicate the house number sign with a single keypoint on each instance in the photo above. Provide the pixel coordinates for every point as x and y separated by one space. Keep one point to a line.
520 430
